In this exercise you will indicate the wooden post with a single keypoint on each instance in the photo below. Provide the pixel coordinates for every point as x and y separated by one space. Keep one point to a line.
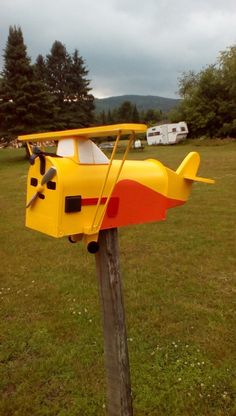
119 401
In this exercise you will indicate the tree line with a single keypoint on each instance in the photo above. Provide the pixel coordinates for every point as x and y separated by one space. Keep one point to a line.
209 98
128 113
54 93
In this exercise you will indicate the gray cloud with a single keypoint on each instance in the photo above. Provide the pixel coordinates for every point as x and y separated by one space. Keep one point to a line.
129 46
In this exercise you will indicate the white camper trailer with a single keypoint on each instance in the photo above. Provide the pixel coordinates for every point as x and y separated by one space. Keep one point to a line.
167 133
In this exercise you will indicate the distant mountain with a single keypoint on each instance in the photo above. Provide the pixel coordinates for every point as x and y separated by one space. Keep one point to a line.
143 102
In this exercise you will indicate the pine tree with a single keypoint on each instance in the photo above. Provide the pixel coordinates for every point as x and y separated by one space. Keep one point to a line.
65 77
57 68
135 114
110 119
125 112
102 118
40 69
79 101
25 105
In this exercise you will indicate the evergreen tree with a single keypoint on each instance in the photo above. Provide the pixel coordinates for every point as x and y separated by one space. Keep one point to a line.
25 105
102 118
151 116
65 77
135 114
57 69
79 101
125 112
115 116
110 119
40 69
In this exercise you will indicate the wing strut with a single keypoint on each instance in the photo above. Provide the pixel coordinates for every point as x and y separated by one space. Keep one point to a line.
97 220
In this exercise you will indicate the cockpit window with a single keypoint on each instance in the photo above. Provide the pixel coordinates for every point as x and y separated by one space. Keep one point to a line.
65 148
90 153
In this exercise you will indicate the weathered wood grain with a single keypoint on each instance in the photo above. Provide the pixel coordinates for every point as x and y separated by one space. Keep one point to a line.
119 400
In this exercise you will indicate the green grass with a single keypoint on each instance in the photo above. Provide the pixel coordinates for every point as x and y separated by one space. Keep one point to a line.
179 286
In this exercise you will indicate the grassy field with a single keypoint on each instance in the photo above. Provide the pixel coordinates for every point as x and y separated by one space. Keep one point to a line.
179 286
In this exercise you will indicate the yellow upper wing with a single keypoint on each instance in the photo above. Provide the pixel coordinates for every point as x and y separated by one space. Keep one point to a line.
90 132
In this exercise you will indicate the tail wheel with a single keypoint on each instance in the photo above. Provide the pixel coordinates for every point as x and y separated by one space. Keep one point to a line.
93 247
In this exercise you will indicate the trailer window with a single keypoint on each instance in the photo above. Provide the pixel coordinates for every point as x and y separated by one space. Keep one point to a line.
174 130
182 128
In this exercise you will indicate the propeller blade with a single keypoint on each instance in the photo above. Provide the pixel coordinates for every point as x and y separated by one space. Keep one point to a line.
45 179
48 175
32 199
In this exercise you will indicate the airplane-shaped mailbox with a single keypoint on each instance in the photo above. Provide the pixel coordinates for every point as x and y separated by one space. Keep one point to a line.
78 191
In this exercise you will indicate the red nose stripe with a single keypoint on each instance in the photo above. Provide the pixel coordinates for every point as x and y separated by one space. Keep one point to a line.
92 201
112 207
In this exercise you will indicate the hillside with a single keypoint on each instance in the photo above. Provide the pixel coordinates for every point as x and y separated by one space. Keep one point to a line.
143 102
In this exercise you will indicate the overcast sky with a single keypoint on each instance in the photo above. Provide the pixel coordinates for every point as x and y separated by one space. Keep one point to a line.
129 46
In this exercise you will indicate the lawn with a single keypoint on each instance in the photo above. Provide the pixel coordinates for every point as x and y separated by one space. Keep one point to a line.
179 286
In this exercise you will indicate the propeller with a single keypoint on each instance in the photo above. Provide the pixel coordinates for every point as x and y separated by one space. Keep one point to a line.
45 179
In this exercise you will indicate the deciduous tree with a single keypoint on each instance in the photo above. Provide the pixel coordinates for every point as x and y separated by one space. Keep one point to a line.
209 97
